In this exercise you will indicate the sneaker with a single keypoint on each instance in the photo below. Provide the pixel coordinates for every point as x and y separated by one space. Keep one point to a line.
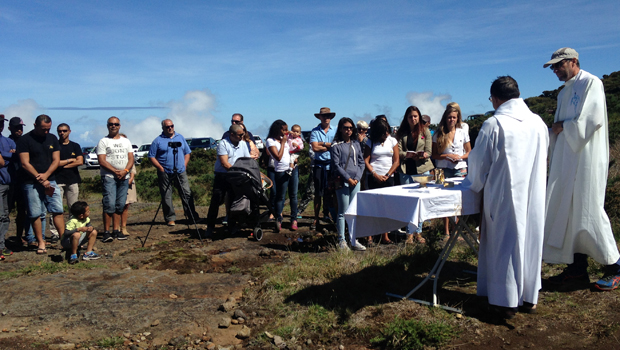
90 256
278 226
609 282
54 239
569 277
73 259
171 223
294 225
342 245
107 237
7 251
119 235
210 231
358 246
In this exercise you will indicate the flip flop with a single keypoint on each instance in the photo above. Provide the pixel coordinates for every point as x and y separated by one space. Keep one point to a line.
41 251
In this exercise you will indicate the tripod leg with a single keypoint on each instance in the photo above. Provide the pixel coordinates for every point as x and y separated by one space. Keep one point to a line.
185 203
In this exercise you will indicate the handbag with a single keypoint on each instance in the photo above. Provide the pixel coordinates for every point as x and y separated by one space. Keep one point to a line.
336 181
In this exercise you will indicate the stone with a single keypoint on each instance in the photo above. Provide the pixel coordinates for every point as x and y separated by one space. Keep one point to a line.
127 342
61 346
175 341
341 347
278 341
206 338
233 321
133 347
241 320
4 313
127 335
268 335
309 342
226 307
173 296
224 322
244 332
239 314
155 323
210 346
146 334
143 338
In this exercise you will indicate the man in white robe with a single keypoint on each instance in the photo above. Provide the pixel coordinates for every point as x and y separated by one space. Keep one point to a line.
576 225
508 164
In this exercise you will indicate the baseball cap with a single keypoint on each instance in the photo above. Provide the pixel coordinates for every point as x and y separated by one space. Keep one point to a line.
562 54
16 121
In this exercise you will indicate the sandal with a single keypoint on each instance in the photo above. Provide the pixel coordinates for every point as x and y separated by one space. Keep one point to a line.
419 238
41 251
313 225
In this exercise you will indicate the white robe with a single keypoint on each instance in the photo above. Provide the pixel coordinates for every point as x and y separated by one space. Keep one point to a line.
579 160
509 162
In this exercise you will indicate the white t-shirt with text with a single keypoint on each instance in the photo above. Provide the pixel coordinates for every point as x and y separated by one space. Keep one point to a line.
116 153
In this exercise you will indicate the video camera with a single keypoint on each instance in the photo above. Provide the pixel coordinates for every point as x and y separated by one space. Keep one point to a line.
174 144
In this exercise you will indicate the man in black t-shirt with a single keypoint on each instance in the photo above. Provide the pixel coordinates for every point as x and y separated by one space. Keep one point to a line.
39 153
67 174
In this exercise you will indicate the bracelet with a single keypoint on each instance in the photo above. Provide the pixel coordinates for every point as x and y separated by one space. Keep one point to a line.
126 170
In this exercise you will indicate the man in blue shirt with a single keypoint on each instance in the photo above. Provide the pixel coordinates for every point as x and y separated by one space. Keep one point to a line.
162 156
7 149
321 142
228 151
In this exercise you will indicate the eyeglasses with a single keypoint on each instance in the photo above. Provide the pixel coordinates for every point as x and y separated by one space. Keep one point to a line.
235 121
114 124
557 65
169 126
62 131
347 128
491 98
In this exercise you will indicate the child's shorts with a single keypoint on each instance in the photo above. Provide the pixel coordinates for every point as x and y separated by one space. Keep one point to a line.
65 242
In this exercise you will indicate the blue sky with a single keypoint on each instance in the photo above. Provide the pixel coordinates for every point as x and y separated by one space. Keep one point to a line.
200 61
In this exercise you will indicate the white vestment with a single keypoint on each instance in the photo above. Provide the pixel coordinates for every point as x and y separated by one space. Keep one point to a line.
509 162
579 160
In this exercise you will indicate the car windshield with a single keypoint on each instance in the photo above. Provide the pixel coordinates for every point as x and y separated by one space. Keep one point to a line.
201 141
144 148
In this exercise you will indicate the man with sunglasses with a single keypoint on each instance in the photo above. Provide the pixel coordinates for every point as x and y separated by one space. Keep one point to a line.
229 149
162 155
237 119
576 224
115 156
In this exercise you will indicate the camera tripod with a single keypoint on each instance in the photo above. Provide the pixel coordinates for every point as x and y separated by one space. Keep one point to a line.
184 200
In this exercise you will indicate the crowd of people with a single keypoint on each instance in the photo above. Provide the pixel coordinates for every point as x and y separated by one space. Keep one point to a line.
525 217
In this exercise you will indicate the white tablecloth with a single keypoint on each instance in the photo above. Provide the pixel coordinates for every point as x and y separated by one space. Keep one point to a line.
381 210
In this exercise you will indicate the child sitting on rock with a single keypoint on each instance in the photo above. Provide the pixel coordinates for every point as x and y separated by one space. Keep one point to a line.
78 230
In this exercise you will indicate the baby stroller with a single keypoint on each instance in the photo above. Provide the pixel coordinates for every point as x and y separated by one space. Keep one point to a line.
249 193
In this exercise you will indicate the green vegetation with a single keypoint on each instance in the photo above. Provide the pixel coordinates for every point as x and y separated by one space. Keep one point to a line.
413 334
110 342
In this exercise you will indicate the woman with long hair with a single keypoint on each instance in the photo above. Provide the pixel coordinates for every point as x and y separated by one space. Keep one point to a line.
451 145
415 147
381 158
347 162
254 152
279 151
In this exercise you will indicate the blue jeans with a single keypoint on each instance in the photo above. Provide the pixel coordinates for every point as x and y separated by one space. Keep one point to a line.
293 184
280 185
344 196
114 194
30 238
37 201
271 174
4 213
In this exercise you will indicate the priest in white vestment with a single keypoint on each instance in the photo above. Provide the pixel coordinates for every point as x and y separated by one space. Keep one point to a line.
576 225
509 164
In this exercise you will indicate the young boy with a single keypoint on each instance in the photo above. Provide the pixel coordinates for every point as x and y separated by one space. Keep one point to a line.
79 230
295 145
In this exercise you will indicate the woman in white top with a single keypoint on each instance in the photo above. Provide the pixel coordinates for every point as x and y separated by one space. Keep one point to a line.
381 158
279 151
451 146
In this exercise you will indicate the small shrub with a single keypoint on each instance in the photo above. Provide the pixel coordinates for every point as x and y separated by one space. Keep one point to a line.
413 334
110 342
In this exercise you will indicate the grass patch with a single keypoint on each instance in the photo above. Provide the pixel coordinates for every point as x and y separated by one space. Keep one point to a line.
43 268
413 334
110 342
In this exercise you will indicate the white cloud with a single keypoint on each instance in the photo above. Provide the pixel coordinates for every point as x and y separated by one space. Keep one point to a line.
429 104
26 109
192 117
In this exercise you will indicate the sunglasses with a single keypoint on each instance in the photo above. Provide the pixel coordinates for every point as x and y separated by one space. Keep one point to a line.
169 126
240 135
362 130
347 128
114 124
62 131
235 121
557 65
